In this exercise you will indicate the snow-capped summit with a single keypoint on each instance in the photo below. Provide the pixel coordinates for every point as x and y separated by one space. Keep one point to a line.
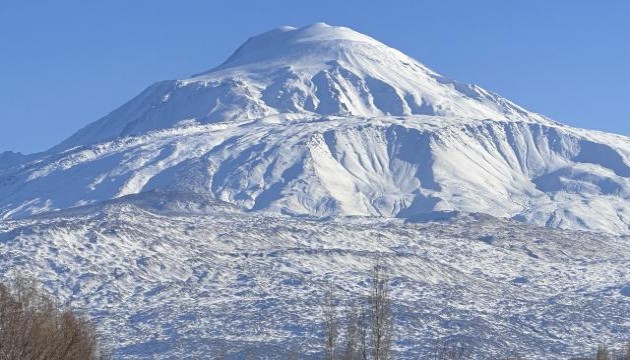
318 42
314 70
234 197
322 121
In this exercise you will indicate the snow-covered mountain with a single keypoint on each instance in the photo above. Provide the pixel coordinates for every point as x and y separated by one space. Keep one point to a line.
213 212
325 121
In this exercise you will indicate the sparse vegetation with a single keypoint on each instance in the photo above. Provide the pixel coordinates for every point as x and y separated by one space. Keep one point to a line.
369 329
368 323
32 326
380 314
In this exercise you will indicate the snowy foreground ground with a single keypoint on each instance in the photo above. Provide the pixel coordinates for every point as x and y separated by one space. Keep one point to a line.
169 275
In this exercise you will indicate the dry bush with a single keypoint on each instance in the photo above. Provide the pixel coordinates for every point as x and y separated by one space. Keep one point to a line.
32 326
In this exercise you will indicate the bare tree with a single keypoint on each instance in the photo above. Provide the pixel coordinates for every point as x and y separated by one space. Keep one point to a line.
330 322
368 324
356 334
34 327
380 313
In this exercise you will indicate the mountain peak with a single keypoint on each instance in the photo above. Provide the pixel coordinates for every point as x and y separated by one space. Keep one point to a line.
309 72
318 41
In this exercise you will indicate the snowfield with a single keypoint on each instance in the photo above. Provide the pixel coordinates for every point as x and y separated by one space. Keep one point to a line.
214 212
168 274
544 174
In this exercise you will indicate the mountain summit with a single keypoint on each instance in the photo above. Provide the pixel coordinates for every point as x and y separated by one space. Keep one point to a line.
325 121
320 42
315 70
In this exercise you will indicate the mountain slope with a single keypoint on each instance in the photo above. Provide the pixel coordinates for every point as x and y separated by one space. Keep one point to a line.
213 212
325 121
546 175
167 275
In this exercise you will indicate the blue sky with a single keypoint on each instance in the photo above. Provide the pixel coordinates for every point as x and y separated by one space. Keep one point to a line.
66 63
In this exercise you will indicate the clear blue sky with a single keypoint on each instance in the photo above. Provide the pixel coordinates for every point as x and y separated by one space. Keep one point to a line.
65 63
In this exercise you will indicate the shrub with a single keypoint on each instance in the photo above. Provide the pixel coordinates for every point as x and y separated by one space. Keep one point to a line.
32 326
